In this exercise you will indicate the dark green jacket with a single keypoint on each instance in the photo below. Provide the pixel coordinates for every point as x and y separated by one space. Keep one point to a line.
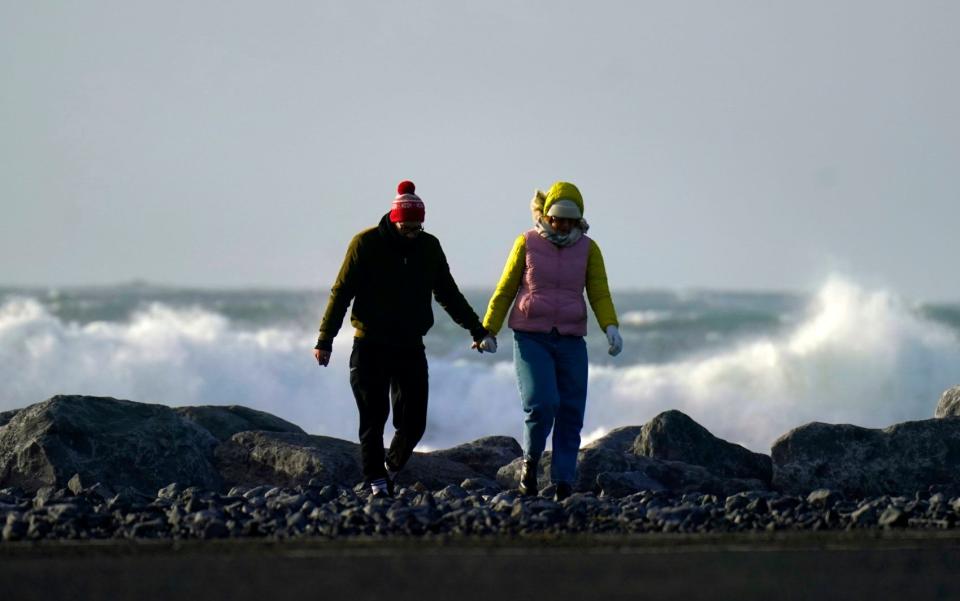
390 279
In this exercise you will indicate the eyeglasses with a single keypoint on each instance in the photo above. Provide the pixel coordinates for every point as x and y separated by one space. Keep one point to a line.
410 229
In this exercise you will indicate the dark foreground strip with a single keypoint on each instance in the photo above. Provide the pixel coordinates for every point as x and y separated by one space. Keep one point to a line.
795 566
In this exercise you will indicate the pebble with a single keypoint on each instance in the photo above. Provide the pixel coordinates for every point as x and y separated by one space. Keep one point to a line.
475 508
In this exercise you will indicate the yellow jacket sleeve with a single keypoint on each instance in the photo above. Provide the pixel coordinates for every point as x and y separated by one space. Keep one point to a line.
507 288
598 291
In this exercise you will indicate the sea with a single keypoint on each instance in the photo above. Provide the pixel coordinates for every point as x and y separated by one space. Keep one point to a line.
749 366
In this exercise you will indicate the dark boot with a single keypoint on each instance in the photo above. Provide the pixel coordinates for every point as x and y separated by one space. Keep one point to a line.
528 478
563 491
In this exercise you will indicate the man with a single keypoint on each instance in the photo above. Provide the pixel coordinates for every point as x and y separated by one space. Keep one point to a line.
389 273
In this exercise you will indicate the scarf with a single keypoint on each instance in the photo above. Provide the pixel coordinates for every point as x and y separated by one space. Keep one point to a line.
569 239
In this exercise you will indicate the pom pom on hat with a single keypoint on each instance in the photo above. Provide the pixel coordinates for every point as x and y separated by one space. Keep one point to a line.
407 206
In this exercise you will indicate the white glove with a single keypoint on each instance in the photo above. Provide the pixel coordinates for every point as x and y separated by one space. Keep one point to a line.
614 340
488 344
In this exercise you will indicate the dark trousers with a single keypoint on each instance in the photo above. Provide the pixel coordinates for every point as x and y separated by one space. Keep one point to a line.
381 376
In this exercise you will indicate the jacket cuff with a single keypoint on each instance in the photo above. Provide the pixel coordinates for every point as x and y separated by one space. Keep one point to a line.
324 345
478 333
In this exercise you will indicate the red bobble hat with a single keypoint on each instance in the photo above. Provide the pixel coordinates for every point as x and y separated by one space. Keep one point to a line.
407 206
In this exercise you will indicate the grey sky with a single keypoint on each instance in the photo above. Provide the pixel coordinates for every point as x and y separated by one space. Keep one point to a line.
720 144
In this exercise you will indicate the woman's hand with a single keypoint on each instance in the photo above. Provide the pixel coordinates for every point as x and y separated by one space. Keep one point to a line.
614 340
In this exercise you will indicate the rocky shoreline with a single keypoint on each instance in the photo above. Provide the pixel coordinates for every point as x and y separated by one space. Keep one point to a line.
475 508
93 468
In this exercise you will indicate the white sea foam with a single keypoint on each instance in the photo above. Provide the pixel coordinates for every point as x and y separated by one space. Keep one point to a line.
858 356
643 318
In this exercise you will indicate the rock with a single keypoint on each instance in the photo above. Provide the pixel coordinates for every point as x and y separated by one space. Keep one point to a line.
480 484
223 421
737 501
128 496
609 454
674 436
860 462
294 459
618 440
893 517
594 460
287 459
824 498
75 485
15 528
622 484
170 491
949 405
214 529
485 455
865 516
452 492
116 442
678 476
434 472
99 492
604 456
6 416
508 476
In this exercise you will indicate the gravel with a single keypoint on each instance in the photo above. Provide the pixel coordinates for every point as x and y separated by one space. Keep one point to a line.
475 508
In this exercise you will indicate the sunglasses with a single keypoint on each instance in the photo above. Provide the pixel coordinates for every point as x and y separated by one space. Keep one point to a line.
409 229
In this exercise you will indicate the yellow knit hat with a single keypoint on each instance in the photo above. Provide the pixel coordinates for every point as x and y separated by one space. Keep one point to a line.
563 191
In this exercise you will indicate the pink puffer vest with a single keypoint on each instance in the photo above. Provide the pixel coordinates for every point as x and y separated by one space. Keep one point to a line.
551 292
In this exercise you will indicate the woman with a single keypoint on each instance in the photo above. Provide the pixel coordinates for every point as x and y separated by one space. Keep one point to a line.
546 273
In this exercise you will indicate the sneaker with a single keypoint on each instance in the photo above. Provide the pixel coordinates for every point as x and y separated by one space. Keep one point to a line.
528 478
381 488
563 491
391 473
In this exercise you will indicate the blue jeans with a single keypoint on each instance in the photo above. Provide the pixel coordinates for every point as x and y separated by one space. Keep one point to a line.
552 375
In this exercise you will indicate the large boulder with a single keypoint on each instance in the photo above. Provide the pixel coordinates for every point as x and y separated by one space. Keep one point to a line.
223 421
900 459
622 484
610 453
435 471
681 477
610 465
620 440
949 405
508 476
287 459
6 416
591 462
674 436
602 470
484 455
116 442
291 459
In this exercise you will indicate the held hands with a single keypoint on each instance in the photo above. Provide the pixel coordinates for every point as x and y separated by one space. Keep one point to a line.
322 356
487 345
614 340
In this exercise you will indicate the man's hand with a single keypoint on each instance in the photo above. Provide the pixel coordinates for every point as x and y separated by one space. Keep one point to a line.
322 356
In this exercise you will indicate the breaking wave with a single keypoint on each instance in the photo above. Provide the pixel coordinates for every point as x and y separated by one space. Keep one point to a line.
855 356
